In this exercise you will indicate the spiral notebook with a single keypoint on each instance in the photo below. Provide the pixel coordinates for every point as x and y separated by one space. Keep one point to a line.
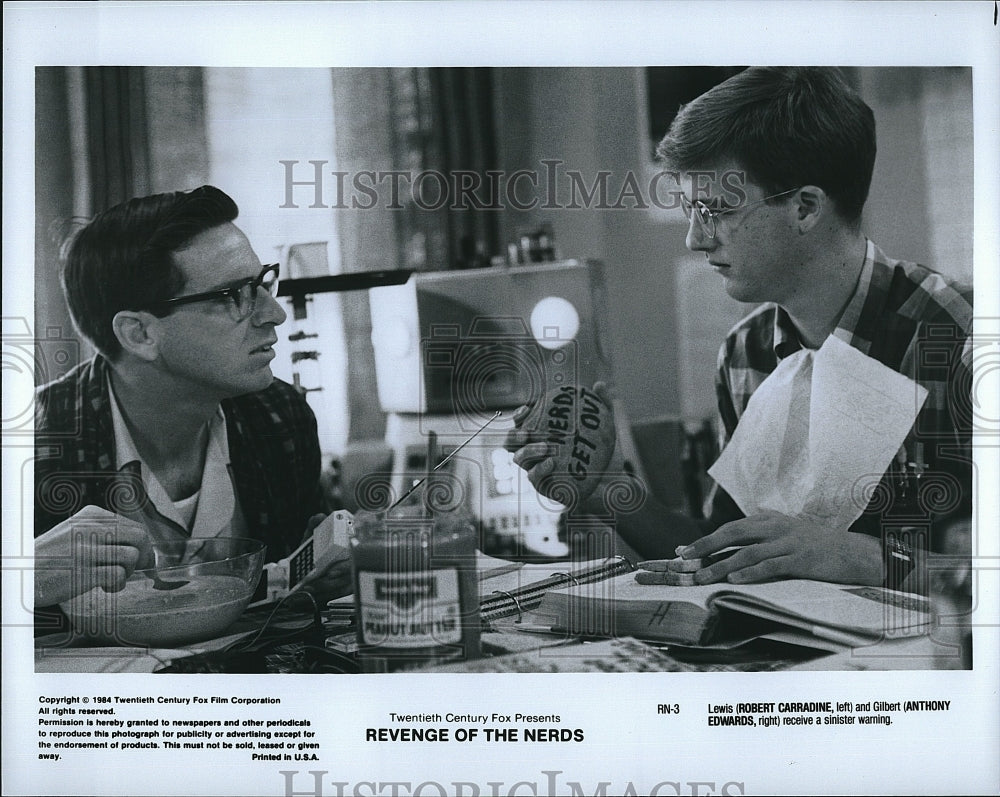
507 589
515 600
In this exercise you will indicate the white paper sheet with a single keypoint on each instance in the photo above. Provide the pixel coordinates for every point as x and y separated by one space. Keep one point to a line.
822 428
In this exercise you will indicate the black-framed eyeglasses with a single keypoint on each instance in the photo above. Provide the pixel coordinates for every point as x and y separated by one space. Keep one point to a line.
706 216
241 298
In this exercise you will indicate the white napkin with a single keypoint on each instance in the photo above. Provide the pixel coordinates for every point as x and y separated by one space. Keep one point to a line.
818 434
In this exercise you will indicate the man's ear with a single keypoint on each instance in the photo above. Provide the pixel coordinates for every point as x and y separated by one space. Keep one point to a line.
138 333
813 204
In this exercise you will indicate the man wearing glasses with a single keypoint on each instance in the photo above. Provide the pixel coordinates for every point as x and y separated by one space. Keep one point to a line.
777 165
176 428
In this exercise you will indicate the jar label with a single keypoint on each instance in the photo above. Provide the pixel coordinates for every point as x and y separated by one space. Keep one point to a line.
410 610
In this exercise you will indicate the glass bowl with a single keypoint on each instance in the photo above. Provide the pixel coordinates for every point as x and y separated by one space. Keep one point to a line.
216 578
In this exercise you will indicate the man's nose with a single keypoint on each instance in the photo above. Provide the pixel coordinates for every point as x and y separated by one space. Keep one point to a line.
697 240
268 310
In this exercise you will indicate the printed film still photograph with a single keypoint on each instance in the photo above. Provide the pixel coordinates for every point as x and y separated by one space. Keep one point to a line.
503 369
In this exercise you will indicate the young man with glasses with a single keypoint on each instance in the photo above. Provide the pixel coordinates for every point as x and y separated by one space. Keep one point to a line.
777 165
176 428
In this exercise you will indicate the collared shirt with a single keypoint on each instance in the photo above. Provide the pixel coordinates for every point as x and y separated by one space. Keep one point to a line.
909 318
274 457
213 511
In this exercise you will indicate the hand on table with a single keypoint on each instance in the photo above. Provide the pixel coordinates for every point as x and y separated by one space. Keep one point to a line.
779 546
92 548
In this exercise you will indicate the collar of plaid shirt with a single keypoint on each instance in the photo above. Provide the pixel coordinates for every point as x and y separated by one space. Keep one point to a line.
217 512
274 456
862 321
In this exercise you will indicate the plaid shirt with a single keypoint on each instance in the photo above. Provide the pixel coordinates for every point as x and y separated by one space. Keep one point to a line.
273 448
910 319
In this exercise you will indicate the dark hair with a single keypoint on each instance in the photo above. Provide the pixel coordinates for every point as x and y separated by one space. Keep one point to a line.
787 127
122 260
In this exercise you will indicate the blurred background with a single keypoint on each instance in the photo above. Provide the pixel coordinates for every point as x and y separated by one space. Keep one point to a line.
289 144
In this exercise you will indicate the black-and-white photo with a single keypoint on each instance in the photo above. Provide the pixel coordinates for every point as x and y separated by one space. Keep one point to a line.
369 417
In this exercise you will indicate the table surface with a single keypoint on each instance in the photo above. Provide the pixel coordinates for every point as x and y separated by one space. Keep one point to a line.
301 641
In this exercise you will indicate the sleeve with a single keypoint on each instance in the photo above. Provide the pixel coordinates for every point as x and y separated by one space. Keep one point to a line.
308 463
45 464
275 453
300 463
720 508
63 482
930 486
947 492
724 396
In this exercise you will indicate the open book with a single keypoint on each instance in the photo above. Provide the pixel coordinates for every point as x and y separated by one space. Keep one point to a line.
842 614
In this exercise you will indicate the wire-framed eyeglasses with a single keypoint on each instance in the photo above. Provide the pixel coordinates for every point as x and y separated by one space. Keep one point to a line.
706 216
240 298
